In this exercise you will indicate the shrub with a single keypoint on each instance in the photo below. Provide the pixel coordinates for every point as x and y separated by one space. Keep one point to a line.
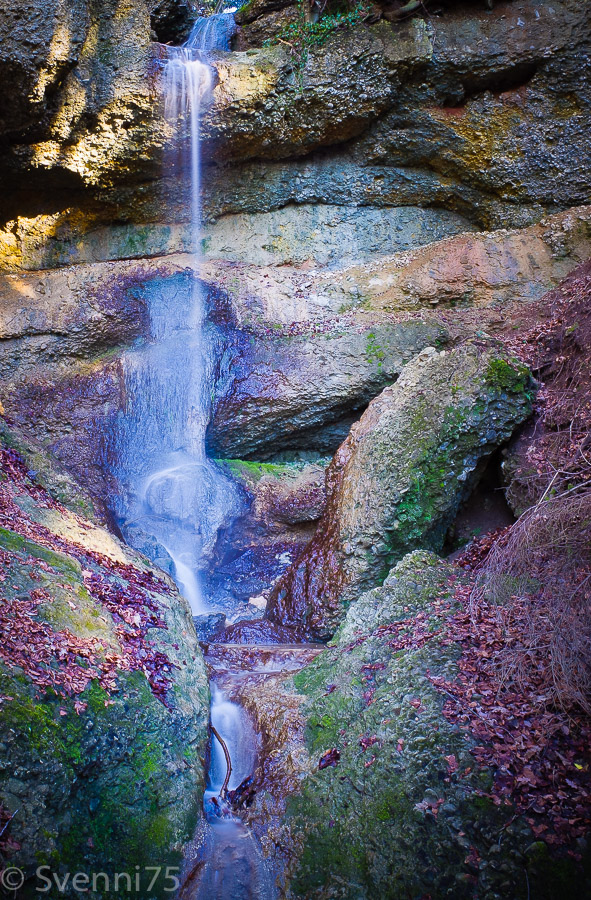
539 575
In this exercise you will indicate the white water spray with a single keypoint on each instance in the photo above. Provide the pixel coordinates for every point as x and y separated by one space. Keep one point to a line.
232 723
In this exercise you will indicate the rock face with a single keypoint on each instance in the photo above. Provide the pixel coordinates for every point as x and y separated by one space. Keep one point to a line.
63 332
305 391
491 269
343 87
397 481
402 810
40 44
105 701
172 20
83 96
478 113
483 73
283 505
345 192
327 235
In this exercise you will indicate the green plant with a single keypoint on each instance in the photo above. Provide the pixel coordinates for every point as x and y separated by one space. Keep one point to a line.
373 350
303 35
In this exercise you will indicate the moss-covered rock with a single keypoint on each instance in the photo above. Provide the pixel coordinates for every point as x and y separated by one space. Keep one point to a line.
403 811
103 692
397 481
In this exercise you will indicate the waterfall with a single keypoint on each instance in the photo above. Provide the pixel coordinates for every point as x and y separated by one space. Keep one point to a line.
232 723
174 499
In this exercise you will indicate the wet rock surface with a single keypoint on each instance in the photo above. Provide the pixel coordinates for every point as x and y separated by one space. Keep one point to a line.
260 633
284 503
261 657
172 20
399 478
283 495
305 391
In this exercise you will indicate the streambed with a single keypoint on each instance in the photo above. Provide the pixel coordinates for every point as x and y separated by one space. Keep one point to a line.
225 861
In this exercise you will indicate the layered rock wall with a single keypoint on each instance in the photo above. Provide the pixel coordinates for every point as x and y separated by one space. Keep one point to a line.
481 113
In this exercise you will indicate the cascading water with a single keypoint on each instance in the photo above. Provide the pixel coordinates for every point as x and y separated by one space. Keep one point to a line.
232 724
226 855
175 499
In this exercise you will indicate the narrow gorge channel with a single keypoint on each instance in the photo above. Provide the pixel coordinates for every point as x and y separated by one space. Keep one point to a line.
173 500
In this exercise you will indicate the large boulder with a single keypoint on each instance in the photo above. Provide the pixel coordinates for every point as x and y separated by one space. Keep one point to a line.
399 478
370 789
105 701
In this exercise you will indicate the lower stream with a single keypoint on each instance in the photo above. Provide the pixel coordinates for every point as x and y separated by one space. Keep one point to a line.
224 862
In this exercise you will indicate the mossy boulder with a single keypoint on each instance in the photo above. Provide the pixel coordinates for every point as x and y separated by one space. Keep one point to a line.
283 494
403 811
103 692
397 481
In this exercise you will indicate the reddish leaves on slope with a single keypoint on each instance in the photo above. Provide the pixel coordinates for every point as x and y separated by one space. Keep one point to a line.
540 757
557 347
34 647
60 659
368 741
134 612
411 634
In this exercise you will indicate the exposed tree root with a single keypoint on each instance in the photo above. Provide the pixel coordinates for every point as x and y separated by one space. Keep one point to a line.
224 746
